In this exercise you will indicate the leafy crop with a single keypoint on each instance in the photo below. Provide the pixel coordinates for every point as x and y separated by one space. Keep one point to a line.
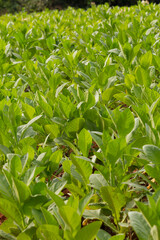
79 124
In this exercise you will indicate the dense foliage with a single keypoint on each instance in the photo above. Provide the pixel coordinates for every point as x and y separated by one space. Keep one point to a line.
79 124
39 5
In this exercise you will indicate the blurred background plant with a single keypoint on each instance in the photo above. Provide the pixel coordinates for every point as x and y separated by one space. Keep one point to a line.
11 6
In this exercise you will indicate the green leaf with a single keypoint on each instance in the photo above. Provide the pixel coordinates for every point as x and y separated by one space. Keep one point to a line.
84 202
124 121
48 232
49 218
84 142
143 77
6 236
97 139
45 106
83 167
152 153
4 149
23 236
149 213
156 61
89 232
146 60
15 166
103 235
154 233
28 110
118 237
38 216
115 200
97 214
71 218
97 181
31 173
20 190
85 76
10 210
58 200
140 226
114 150
55 159
52 129
108 94
36 202
57 186
5 188
75 150
74 126
129 80
23 128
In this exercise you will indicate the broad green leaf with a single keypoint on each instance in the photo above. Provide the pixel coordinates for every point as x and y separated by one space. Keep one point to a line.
84 202
148 212
85 76
84 142
146 60
5 188
23 128
71 218
83 167
15 166
52 130
152 153
154 232
103 235
49 218
114 150
72 146
57 186
108 94
140 226
59 89
97 139
143 77
74 126
36 202
28 110
98 214
55 159
118 237
23 236
45 106
58 200
10 210
48 232
31 173
89 232
129 80
6 236
4 149
38 216
97 181
75 190
124 121
20 190
114 199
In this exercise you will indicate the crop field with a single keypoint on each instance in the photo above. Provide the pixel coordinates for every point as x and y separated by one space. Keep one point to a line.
80 124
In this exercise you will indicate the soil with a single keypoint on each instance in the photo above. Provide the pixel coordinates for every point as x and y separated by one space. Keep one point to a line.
2 218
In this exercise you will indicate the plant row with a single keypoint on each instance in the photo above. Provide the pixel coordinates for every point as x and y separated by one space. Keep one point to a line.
79 124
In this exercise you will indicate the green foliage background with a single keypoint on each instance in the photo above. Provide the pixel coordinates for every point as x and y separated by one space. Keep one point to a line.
79 123
39 5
